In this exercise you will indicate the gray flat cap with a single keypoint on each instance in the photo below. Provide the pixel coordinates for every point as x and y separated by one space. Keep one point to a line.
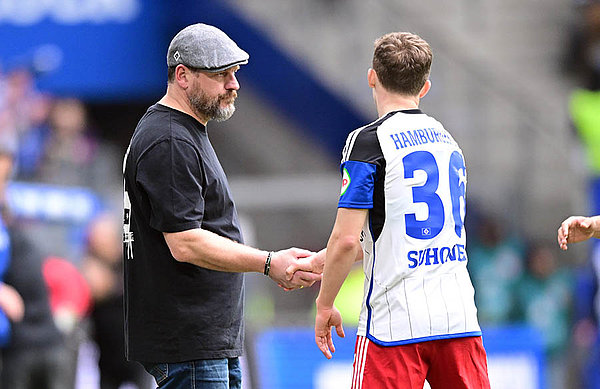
205 47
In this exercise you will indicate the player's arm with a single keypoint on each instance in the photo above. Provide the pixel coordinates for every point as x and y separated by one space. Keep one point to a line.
577 229
312 264
209 250
343 249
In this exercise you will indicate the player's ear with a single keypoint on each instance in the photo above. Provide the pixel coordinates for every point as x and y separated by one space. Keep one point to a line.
425 89
371 77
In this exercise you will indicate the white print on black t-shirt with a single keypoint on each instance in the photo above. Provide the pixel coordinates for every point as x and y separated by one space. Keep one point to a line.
127 234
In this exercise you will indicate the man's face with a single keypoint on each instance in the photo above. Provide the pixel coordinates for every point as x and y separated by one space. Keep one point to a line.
212 95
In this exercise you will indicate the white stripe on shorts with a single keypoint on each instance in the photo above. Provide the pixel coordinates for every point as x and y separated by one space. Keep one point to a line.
360 357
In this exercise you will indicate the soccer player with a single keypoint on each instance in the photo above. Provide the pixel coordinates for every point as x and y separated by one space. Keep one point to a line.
577 229
401 211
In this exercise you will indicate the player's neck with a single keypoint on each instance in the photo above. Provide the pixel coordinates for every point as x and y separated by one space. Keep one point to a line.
181 103
389 102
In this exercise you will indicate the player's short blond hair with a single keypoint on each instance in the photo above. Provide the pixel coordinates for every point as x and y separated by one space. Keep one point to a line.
402 61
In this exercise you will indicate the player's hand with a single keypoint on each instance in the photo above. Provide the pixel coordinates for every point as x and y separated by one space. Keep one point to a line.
307 269
575 229
325 319
301 279
285 258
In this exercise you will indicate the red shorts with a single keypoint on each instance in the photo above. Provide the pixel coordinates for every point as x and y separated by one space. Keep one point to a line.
447 363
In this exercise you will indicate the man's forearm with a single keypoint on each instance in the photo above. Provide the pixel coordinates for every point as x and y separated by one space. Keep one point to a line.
209 250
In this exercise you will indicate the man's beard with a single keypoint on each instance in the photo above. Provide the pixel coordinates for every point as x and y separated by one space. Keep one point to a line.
211 109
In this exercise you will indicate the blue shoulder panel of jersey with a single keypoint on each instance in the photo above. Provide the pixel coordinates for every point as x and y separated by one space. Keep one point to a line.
358 181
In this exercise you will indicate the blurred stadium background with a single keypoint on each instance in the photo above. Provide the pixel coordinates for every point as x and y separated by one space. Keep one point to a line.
503 76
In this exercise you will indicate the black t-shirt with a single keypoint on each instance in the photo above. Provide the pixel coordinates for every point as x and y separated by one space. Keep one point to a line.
175 311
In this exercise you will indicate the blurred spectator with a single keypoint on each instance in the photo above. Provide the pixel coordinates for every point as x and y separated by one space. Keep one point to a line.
70 296
20 106
584 102
32 141
583 56
11 302
103 268
495 265
54 144
37 355
71 155
70 301
544 296
17 95
34 356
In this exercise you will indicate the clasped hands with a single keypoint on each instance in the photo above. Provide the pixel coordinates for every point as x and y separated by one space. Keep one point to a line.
296 268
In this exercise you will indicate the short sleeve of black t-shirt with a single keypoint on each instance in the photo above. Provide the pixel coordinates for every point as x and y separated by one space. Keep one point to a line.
170 174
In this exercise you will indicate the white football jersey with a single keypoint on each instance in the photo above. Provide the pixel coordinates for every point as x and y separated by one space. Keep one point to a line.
410 173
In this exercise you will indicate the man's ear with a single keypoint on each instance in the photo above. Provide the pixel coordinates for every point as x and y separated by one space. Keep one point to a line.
182 75
371 77
425 89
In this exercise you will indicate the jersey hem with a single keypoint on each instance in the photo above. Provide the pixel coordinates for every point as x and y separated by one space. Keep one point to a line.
424 339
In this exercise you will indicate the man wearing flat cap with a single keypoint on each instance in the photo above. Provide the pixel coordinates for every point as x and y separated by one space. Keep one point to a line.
183 247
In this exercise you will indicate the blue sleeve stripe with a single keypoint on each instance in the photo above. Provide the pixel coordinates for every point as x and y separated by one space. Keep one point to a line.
346 204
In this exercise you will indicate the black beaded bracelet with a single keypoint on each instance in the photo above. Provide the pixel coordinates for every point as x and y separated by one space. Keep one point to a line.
268 264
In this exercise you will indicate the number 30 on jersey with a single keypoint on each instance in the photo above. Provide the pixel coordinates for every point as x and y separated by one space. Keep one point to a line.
427 193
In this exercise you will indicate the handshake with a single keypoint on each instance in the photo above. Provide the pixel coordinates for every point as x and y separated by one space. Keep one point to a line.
296 268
